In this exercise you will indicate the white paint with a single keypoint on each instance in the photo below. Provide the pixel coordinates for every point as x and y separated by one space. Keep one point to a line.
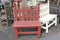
46 17
42 0
32 3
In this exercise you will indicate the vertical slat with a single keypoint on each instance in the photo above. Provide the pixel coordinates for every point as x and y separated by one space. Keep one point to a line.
34 13
15 13
23 14
31 10
18 14
26 11
16 4
21 11
37 12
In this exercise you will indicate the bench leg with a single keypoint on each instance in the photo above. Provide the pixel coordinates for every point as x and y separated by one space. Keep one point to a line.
46 30
55 21
46 27
15 32
38 32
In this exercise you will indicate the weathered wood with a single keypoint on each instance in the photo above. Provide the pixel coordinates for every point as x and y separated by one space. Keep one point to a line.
26 17
4 13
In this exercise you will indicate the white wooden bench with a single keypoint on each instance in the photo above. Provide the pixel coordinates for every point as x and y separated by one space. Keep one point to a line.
47 19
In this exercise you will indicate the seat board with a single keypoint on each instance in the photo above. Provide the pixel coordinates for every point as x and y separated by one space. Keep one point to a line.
26 23
48 17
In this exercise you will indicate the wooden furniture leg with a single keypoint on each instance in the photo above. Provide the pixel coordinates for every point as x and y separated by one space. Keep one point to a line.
55 21
38 33
46 27
16 32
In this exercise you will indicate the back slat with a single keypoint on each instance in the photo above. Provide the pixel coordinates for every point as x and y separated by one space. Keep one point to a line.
15 13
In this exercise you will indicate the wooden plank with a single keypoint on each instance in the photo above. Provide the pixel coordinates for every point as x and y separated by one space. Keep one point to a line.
26 23
28 32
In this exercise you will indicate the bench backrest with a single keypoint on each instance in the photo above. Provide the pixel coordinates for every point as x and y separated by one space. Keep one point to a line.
44 9
26 13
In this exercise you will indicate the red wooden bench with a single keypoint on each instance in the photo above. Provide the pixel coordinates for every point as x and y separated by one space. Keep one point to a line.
26 18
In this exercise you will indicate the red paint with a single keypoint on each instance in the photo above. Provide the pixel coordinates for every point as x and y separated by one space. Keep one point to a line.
26 20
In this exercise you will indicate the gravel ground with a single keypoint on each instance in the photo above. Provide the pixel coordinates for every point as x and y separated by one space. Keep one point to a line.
6 33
